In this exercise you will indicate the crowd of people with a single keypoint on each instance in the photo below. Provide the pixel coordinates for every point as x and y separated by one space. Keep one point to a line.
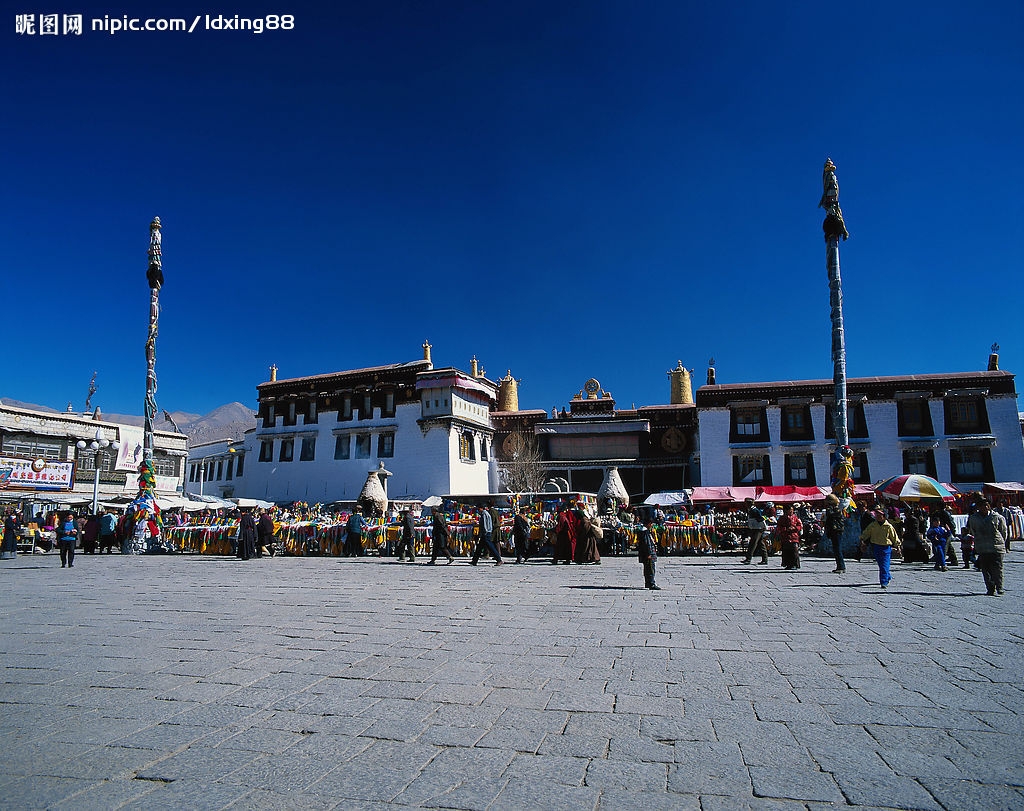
562 530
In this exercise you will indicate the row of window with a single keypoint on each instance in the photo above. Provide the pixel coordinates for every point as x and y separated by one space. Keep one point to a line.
963 415
215 470
351 406
966 465
346 446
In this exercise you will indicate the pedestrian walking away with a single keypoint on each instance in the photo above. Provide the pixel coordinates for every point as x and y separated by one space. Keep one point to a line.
757 527
521 535
990 532
439 537
407 543
881 535
485 530
265 534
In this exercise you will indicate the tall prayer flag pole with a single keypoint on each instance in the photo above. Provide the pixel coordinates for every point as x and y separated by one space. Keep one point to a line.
835 229
147 535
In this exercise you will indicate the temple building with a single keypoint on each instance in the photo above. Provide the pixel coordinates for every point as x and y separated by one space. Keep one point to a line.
317 438
652 447
959 428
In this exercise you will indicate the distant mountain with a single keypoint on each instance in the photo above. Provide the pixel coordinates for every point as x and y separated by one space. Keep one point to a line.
229 421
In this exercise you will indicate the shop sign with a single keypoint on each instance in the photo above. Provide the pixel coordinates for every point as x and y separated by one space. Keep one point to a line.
35 474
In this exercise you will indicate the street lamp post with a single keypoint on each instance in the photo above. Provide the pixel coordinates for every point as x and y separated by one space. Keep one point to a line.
97 446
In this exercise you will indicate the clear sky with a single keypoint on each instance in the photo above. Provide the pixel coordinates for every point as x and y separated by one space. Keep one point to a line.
564 189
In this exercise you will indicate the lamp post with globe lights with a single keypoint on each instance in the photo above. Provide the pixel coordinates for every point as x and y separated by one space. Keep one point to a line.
99 445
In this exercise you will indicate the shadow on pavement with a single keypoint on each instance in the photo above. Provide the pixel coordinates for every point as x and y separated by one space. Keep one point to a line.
607 588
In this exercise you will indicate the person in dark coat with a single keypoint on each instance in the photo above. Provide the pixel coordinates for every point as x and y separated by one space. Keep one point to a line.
67 539
647 551
10 548
521 535
354 535
835 524
485 529
265 534
439 537
90 535
407 542
247 536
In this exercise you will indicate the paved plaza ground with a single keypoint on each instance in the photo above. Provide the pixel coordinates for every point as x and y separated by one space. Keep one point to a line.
202 682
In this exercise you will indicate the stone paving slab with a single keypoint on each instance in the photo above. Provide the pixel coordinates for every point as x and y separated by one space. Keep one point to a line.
295 683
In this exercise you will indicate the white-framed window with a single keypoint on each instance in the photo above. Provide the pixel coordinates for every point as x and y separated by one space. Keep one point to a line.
799 468
343 447
748 422
267 450
385 446
363 446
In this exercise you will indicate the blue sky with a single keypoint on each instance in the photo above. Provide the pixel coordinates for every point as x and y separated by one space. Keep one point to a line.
564 189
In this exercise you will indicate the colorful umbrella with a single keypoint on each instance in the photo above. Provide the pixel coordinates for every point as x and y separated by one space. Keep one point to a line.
913 487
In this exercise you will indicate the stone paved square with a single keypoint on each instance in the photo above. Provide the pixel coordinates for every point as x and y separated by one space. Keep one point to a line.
210 683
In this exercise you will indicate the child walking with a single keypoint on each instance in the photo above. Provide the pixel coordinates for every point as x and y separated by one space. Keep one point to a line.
647 550
939 536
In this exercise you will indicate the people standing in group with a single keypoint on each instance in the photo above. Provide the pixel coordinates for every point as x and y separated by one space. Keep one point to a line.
354 530
647 550
940 538
881 536
67 539
485 533
265 534
439 536
565 535
834 524
914 547
407 542
246 536
521 535
990 533
788 530
757 528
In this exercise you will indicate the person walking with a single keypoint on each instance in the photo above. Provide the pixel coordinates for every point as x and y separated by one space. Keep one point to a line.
757 527
521 535
67 538
647 551
990 532
939 537
881 535
789 529
485 530
355 528
440 536
265 534
407 542
835 525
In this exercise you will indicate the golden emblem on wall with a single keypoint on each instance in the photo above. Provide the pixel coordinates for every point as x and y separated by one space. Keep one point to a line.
673 440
